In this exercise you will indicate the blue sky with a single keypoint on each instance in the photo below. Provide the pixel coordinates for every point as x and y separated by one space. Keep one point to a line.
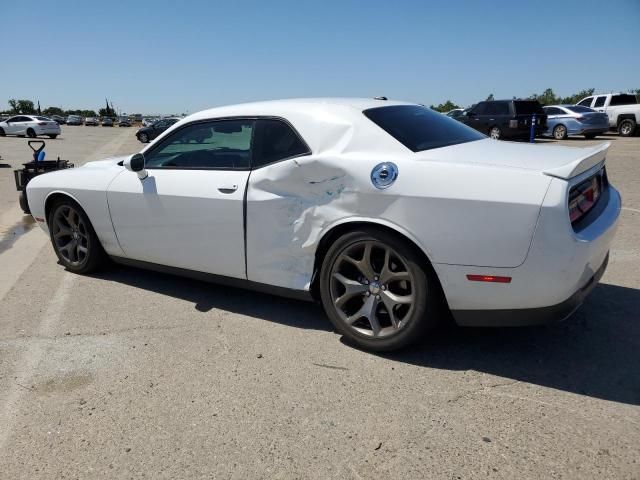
169 56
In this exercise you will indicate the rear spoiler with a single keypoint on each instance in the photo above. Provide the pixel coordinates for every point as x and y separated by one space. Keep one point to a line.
591 157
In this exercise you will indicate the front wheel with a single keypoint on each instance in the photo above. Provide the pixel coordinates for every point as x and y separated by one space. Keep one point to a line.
31 133
2 132
52 136
589 136
377 291
143 137
627 127
495 133
74 240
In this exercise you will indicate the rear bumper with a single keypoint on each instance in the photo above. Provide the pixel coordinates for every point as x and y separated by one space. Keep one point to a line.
530 316
560 269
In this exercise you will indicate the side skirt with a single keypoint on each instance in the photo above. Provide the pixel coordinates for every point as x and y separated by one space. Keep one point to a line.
218 279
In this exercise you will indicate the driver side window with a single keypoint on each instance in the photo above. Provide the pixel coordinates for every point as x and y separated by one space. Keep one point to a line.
223 145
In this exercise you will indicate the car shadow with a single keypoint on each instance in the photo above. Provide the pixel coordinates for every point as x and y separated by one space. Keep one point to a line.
207 296
595 353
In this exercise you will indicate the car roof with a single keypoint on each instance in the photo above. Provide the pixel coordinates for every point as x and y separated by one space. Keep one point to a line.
320 121
281 107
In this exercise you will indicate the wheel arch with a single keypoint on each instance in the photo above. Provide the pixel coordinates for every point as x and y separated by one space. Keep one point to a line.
338 229
56 195
625 116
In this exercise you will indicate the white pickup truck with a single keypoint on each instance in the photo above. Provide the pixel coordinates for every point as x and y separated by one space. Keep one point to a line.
622 108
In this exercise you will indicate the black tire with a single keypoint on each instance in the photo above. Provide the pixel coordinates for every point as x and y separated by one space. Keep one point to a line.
627 127
2 134
560 132
31 133
24 204
423 313
590 136
143 137
495 132
52 136
95 256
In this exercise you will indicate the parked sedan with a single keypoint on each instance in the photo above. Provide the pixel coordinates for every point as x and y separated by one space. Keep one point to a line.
91 122
30 126
58 119
74 120
124 122
565 120
386 212
107 122
146 134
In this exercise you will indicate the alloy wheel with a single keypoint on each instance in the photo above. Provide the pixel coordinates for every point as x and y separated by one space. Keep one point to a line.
625 128
559 132
495 133
372 289
70 235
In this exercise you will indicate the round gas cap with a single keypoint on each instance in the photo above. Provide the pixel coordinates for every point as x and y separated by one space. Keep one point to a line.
384 174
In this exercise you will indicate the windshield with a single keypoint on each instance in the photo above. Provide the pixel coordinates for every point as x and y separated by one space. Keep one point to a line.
420 128
580 109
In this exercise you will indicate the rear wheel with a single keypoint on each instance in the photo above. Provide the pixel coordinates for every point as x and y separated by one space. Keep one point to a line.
560 132
627 127
31 133
74 240
2 133
377 291
495 132
52 136
589 136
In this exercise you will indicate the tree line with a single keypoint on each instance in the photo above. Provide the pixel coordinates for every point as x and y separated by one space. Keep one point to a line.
27 107
548 97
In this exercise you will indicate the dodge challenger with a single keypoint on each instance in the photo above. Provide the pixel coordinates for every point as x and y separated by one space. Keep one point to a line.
389 214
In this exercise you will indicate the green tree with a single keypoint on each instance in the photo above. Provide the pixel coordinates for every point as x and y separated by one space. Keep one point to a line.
445 107
547 97
26 107
53 111
576 97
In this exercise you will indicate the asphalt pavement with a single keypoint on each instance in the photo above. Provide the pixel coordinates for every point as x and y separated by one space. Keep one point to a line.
134 374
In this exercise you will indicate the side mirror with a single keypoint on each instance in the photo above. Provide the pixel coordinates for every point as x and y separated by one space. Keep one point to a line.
135 163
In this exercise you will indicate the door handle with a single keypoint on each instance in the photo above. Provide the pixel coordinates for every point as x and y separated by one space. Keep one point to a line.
227 188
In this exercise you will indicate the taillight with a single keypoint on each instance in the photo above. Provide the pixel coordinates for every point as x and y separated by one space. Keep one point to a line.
42 123
579 118
583 197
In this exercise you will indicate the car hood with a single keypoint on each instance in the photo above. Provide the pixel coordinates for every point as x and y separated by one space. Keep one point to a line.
553 160
105 163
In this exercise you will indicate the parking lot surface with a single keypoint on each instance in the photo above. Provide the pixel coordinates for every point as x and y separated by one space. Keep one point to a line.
131 374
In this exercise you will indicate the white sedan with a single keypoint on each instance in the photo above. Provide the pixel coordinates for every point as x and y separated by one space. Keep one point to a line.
30 126
386 212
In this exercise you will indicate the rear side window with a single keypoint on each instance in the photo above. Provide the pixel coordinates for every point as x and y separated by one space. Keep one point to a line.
623 99
497 108
276 140
554 111
528 107
420 128
600 101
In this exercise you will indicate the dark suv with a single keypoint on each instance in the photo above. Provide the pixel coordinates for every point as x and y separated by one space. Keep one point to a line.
506 118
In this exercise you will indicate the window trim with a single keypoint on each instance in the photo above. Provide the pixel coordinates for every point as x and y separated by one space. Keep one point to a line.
254 119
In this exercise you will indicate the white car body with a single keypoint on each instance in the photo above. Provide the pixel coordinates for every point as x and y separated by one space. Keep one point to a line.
24 124
483 208
616 106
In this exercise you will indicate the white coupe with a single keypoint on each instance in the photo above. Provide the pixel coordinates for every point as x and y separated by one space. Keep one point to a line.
387 212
